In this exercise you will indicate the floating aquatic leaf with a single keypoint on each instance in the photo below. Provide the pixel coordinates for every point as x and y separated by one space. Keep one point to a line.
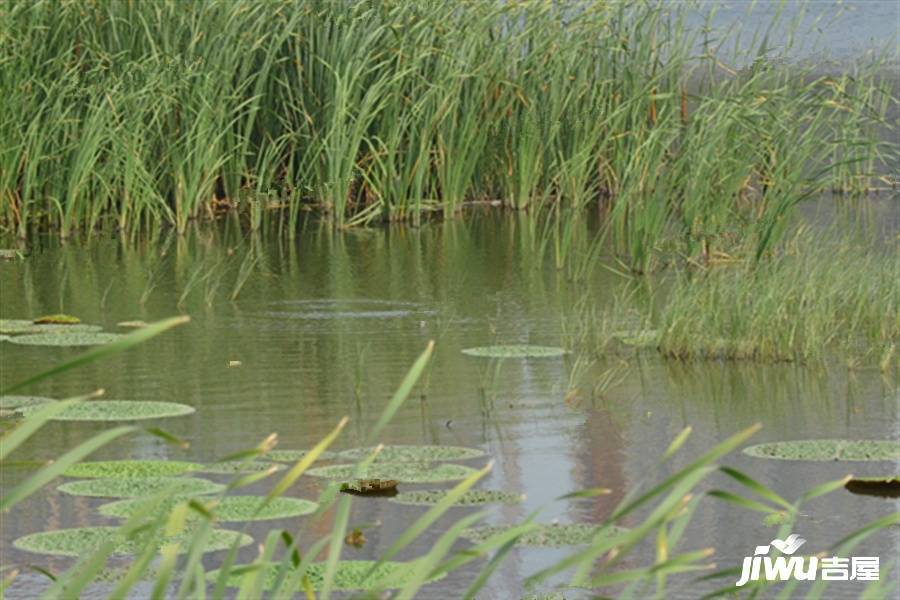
16 326
141 487
68 338
855 450
229 508
239 466
80 541
118 410
14 402
3 337
470 498
886 487
414 453
130 468
405 472
515 351
554 535
57 320
350 575
295 455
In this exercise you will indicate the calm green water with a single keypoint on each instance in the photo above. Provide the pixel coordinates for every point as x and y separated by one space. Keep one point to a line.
327 325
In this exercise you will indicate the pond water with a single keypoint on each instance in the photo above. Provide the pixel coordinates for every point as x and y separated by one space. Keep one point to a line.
327 326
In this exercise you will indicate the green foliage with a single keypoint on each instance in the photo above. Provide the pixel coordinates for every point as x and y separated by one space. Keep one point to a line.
65 338
349 575
554 535
409 472
413 453
830 450
122 487
470 498
130 468
228 508
82 540
118 410
515 351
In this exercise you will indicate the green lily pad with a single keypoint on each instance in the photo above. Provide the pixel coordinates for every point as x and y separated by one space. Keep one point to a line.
295 455
73 338
553 535
885 487
470 498
16 402
350 575
17 326
515 351
404 472
855 450
141 487
58 319
239 466
130 468
3 337
229 508
83 540
414 453
118 410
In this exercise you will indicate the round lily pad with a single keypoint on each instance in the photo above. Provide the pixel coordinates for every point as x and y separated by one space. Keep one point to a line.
350 575
118 410
470 498
229 508
15 402
140 487
67 338
515 351
295 455
239 466
17 326
851 450
414 453
130 468
404 472
80 541
58 319
553 535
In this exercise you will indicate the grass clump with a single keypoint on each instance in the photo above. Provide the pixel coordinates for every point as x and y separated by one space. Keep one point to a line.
130 468
140 487
81 540
824 450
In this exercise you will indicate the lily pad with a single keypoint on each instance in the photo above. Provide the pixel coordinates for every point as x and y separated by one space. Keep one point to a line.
141 487
16 326
57 320
404 472
3 337
515 351
470 498
885 487
80 541
350 575
132 324
75 338
851 450
239 466
229 508
553 535
295 455
414 453
118 410
130 468
16 402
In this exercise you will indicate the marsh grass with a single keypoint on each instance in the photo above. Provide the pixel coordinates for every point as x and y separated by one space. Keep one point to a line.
142 114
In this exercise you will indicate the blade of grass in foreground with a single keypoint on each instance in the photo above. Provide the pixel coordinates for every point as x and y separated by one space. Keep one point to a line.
128 341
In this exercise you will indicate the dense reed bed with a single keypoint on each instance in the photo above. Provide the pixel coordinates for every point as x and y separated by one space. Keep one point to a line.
147 114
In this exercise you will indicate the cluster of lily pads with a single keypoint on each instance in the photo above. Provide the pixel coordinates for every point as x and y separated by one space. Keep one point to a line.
54 330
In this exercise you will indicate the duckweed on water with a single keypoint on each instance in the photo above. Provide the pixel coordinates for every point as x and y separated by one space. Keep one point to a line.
139 487
76 338
130 468
470 498
83 540
229 508
15 402
822 450
414 453
515 351
118 410
295 455
350 575
545 535
238 466
404 472
17 326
